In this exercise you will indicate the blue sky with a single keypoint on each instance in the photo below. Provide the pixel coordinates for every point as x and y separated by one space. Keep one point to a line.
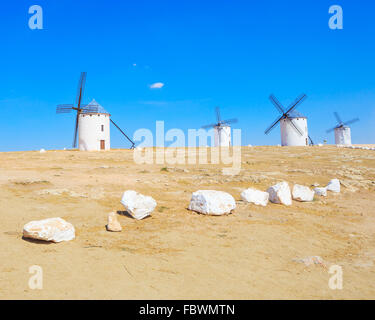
233 54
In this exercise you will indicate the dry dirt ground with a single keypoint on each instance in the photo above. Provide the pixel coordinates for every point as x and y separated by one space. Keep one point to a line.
178 254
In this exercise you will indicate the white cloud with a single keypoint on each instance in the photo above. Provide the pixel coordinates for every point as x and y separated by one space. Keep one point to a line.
157 85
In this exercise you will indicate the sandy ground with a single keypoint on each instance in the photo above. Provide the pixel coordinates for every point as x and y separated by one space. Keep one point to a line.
178 254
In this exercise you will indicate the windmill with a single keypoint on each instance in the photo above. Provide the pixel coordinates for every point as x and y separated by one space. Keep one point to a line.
293 125
222 130
342 130
67 108
92 125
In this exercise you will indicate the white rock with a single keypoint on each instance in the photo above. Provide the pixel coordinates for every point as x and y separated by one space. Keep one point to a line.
257 197
280 193
315 184
321 192
308 261
54 230
320 145
113 224
42 151
302 193
334 185
138 205
212 202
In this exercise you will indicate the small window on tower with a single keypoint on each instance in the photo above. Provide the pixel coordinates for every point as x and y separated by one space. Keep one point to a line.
102 128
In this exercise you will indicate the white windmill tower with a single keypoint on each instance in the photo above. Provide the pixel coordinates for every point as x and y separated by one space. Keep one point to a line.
293 125
94 128
222 130
342 131
92 125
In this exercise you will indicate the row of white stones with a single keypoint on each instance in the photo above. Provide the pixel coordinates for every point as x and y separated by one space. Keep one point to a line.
210 202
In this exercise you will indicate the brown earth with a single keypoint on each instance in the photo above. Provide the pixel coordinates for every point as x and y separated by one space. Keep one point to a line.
178 254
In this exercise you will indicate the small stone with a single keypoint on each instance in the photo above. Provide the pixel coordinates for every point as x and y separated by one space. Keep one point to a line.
212 202
280 193
54 230
334 186
113 224
138 205
322 192
308 261
257 197
302 193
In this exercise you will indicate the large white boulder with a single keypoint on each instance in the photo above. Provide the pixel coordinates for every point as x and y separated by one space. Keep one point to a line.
322 192
54 230
334 186
212 202
302 193
280 193
42 151
257 197
138 205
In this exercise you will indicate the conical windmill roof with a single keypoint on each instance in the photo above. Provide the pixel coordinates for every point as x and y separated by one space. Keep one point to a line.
295 114
95 104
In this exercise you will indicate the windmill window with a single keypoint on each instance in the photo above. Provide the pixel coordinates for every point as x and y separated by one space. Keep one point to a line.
102 128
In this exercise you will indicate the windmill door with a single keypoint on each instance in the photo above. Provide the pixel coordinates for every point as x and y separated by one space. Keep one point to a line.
102 144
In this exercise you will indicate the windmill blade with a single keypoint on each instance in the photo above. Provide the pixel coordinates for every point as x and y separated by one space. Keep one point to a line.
81 88
276 103
332 129
229 121
209 126
90 108
296 103
76 131
273 124
131 141
63 111
295 127
218 114
337 117
351 121
64 108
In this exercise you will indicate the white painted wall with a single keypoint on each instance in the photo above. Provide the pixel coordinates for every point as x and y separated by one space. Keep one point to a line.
289 135
90 131
223 136
343 136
